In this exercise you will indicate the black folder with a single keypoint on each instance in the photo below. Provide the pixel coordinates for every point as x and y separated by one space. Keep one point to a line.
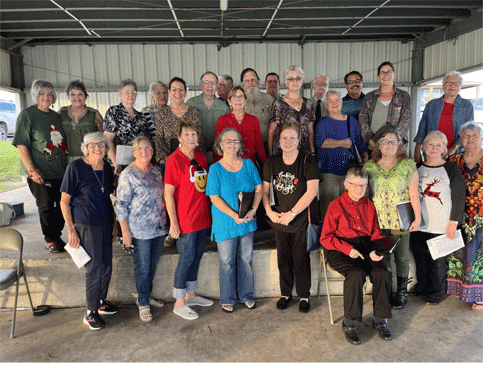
245 203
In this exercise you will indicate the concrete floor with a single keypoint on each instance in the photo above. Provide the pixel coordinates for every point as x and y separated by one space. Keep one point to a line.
448 332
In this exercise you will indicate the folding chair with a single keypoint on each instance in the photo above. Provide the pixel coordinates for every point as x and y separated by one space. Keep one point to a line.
334 276
12 240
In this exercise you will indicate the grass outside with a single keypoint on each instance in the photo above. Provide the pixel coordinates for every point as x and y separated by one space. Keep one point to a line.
10 177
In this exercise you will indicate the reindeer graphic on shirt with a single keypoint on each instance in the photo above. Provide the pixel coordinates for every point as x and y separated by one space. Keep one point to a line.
429 193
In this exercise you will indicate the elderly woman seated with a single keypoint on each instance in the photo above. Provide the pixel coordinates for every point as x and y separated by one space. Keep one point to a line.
349 229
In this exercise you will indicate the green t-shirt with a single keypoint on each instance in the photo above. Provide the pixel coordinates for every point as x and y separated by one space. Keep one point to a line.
389 187
43 134
208 117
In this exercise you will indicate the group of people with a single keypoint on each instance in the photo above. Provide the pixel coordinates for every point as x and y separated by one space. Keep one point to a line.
206 164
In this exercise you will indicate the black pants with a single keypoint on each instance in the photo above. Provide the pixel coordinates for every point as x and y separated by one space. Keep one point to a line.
48 198
97 242
294 263
431 274
355 271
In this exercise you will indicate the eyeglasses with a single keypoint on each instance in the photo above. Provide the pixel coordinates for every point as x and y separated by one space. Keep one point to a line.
296 79
358 186
454 84
197 165
385 142
390 71
174 90
229 141
94 145
321 84
207 82
143 148
238 97
133 93
253 80
354 81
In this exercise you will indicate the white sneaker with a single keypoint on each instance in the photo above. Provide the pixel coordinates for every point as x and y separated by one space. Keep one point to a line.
201 301
185 312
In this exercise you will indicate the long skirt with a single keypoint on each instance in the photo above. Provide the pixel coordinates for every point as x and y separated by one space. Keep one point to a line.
464 277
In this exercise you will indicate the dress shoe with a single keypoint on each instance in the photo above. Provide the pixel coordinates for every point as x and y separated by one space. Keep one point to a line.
283 303
383 330
304 306
351 335
432 301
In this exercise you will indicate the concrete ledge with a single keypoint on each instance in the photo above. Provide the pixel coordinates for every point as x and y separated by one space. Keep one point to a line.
58 282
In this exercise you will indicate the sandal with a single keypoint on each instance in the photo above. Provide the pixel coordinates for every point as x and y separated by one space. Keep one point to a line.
250 304
145 313
477 307
157 303
228 308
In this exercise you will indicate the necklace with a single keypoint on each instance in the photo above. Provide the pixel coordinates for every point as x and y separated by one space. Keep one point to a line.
101 184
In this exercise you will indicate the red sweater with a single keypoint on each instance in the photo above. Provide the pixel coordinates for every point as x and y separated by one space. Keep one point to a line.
349 219
250 133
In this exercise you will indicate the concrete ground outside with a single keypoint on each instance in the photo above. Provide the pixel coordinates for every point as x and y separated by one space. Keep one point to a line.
448 332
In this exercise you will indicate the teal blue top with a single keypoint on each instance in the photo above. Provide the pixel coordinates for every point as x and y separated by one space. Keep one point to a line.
227 184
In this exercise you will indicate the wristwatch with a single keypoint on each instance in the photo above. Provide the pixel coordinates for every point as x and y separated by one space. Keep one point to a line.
293 213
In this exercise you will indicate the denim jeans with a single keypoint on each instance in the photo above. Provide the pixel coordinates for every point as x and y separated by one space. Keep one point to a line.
191 247
236 274
146 256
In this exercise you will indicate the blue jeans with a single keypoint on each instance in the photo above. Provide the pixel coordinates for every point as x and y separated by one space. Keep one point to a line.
236 274
146 256
191 247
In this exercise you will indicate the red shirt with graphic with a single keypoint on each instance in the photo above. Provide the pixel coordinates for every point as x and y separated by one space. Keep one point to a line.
191 203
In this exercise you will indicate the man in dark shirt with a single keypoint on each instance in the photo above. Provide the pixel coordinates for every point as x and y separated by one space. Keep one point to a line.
352 101
349 229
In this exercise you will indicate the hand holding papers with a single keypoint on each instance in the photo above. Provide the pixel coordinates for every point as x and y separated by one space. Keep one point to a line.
441 246
80 257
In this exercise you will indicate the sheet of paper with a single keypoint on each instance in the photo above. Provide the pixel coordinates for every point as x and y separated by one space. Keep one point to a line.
441 246
80 257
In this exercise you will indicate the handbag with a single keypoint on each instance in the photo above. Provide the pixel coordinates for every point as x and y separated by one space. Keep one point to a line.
357 160
313 233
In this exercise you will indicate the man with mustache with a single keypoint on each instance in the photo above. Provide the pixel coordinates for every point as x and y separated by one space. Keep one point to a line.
352 101
258 103
272 83
224 86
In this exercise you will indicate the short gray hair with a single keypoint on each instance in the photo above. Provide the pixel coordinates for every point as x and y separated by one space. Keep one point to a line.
321 75
227 79
333 92
139 139
453 73
38 86
470 126
93 136
220 137
292 68
127 82
153 86
357 172
444 141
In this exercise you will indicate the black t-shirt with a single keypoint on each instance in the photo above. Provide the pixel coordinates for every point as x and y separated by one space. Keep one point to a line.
289 183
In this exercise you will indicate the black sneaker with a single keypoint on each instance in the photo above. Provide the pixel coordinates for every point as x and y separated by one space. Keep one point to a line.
107 308
61 244
94 321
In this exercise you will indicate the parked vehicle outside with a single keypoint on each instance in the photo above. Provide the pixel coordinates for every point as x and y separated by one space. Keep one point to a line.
8 116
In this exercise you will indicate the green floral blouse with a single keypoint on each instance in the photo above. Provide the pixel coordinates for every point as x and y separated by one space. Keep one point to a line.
388 188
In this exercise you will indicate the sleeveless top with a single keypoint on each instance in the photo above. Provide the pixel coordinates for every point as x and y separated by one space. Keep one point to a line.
76 131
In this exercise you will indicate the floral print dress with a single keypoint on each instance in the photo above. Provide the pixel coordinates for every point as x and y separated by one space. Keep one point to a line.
465 266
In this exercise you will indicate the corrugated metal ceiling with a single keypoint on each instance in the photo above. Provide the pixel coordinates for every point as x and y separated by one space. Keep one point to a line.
172 21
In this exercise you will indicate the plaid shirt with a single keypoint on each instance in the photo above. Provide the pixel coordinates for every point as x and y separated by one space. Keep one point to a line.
399 112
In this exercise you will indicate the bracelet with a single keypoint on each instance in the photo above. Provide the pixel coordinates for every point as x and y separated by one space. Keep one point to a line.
31 169
71 228
293 213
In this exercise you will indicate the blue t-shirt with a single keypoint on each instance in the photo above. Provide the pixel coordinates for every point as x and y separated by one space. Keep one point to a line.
336 160
89 205
227 184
